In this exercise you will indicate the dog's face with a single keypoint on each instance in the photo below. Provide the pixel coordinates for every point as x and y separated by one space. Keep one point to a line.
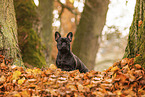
63 43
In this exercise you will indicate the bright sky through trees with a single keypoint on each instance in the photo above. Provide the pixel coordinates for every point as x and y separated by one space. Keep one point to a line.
36 2
120 13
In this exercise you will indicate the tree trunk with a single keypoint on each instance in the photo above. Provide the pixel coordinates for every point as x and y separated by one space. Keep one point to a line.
136 42
46 19
8 32
29 41
89 31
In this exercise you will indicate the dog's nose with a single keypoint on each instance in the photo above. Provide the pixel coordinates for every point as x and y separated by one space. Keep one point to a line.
63 44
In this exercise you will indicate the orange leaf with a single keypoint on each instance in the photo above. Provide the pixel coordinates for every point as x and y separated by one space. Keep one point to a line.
80 86
114 69
137 66
139 23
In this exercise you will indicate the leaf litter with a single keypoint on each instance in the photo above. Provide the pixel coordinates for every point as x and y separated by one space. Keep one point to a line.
123 79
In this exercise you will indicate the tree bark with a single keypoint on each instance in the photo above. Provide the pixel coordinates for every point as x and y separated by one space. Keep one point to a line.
136 43
8 32
46 19
89 30
29 41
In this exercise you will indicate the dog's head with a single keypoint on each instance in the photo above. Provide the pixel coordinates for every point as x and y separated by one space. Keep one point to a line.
63 43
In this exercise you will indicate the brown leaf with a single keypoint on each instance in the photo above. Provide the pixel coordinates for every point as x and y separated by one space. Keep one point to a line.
139 23
52 66
80 87
124 62
72 87
131 78
25 94
137 66
114 69
2 79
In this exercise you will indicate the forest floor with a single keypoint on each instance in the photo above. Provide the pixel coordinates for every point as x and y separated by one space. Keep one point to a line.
123 78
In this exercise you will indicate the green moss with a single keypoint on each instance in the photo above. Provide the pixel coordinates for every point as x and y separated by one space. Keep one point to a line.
8 33
138 60
136 43
32 52
29 41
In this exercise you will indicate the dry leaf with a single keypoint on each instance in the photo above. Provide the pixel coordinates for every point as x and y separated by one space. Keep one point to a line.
21 81
16 75
52 66
127 81
2 79
114 69
124 61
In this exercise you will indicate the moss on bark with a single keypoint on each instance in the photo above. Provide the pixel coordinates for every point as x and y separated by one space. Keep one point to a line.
29 41
8 32
136 43
46 8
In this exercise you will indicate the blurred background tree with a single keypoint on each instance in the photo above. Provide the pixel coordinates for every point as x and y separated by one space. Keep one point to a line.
89 31
37 25
45 10
115 33
111 48
29 41
86 23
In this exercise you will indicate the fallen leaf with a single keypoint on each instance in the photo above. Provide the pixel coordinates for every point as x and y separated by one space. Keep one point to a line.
137 66
16 74
114 69
80 87
2 79
52 66
21 81
139 23
124 61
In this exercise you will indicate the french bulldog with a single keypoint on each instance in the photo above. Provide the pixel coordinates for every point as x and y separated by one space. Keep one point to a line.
66 60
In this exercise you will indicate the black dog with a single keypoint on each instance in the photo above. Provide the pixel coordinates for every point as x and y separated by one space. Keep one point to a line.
66 60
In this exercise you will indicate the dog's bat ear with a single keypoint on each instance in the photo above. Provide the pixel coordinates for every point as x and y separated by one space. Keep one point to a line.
69 36
57 35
